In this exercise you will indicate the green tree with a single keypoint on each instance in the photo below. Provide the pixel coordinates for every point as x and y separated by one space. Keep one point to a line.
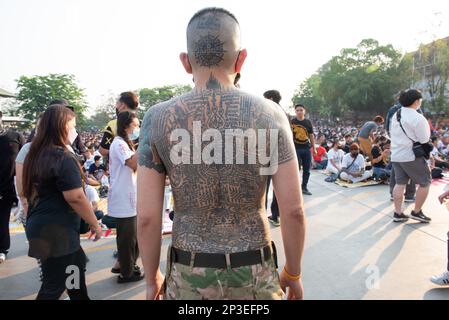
150 97
308 94
359 82
432 64
34 94
103 113
97 121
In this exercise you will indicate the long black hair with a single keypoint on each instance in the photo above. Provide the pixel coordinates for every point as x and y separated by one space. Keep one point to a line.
124 120
51 134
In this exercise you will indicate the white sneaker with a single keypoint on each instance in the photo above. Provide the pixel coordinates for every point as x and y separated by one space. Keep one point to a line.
441 280
2 258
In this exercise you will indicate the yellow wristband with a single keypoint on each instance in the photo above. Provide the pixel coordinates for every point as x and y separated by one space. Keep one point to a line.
291 277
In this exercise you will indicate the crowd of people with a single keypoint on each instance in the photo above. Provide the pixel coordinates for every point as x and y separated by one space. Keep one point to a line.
60 176
377 150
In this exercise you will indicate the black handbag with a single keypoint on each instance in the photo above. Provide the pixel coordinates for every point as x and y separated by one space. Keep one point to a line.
420 150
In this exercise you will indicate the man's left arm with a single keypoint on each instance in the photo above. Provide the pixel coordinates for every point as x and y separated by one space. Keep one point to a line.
150 194
423 131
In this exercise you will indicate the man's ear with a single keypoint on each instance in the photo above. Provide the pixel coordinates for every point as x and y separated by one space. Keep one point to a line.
184 57
240 60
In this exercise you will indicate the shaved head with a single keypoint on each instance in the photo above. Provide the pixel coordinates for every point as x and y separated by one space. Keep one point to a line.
213 39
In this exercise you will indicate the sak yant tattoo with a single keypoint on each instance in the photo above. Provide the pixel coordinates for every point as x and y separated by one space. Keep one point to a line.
213 83
209 51
219 204
147 152
209 22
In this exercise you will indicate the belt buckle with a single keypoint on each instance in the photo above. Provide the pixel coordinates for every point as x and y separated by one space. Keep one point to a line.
228 261
262 256
192 260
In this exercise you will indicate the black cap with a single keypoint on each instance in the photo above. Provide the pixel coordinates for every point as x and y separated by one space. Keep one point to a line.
62 102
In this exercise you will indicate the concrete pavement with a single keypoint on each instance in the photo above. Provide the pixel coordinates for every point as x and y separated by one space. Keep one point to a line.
353 251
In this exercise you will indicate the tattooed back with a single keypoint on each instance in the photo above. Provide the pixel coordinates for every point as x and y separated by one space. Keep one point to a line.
200 139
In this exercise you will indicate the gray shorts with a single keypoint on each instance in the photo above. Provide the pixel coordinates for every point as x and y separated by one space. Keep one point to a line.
417 170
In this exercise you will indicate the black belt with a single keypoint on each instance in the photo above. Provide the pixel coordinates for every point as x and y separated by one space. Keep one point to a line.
218 260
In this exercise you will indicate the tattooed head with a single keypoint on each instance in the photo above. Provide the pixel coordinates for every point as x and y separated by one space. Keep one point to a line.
213 39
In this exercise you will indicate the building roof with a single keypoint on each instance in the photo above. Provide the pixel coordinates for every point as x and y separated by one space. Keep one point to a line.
6 94
14 119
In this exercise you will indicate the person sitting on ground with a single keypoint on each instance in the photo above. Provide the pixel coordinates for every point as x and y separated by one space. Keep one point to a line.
321 141
335 158
443 146
92 196
348 142
90 158
98 172
380 159
353 167
435 172
354 133
320 160
440 161
94 199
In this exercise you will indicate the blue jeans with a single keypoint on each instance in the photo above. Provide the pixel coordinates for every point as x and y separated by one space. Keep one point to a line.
321 165
380 173
305 161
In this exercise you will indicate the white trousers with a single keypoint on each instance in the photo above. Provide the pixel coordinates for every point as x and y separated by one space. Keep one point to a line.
347 177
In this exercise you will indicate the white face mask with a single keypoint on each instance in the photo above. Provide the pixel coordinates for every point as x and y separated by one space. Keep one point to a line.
135 135
72 135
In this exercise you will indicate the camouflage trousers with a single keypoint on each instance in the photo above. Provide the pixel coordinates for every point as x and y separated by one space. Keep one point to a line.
255 282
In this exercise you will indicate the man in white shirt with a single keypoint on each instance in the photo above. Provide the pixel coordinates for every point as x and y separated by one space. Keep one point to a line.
335 158
409 126
353 166
89 157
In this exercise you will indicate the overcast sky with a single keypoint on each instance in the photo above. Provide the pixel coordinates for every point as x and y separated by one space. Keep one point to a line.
117 45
